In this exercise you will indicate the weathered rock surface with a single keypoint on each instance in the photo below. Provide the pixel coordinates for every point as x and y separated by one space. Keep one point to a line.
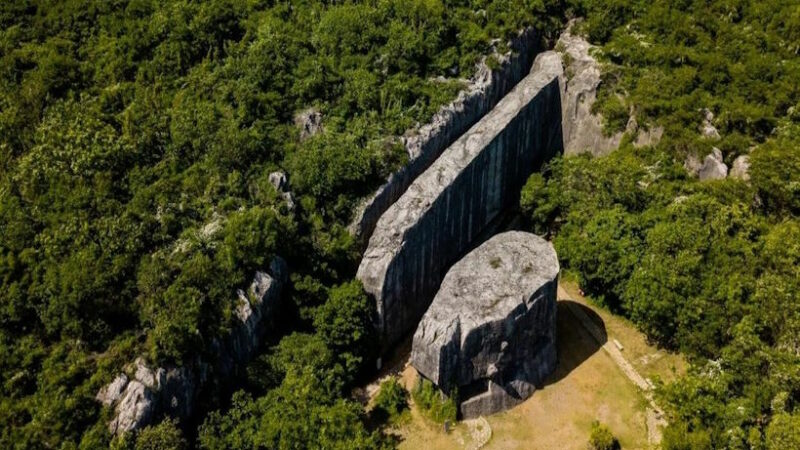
490 331
707 128
438 218
280 182
425 144
583 130
144 394
712 167
741 168
309 121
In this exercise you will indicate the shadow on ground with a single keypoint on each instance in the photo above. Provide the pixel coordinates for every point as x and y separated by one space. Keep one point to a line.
573 342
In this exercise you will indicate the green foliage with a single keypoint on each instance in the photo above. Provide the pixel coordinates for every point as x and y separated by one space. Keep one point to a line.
783 431
164 436
136 142
601 438
434 403
392 399
701 267
706 268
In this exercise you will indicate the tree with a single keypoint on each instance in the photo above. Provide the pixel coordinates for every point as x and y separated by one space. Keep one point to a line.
601 438
164 436
344 323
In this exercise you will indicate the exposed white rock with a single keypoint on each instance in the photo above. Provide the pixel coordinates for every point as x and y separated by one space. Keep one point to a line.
583 130
713 168
490 331
309 121
741 168
112 392
280 182
707 128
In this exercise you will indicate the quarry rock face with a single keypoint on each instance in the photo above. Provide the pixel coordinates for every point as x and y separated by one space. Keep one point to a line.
439 217
143 394
425 143
490 331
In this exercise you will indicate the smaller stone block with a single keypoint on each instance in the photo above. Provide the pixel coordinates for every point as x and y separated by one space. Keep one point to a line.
490 331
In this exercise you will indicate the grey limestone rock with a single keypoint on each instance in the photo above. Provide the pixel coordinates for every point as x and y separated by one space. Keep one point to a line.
707 128
280 182
713 168
144 394
741 168
447 207
583 130
425 143
490 330
309 121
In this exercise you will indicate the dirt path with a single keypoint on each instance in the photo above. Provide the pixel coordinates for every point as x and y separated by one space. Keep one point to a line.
655 416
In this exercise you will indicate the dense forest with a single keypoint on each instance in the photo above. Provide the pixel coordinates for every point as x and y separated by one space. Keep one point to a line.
709 268
127 127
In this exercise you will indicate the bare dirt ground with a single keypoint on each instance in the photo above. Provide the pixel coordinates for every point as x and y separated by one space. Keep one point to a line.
590 383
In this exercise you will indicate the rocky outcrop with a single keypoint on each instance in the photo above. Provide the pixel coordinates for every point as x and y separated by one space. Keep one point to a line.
309 121
440 215
490 332
711 168
583 130
426 143
141 394
280 182
741 168
707 128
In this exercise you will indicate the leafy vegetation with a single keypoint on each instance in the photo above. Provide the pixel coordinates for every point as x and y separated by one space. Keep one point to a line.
136 142
707 268
392 399
601 438
434 403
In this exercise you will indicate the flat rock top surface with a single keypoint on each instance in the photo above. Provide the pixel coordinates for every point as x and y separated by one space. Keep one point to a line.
494 279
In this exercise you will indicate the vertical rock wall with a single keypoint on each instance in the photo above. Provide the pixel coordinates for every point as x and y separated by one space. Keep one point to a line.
437 219
424 145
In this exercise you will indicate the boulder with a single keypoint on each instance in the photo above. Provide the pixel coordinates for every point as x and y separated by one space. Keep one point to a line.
490 331
707 128
280 182
713 168
309 121
741 168
144 394
462 193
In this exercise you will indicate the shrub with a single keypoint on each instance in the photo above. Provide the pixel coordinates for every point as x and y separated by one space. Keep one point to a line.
434 403
392 399
601 438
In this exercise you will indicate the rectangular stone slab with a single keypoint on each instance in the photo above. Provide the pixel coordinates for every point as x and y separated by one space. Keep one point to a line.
437 219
